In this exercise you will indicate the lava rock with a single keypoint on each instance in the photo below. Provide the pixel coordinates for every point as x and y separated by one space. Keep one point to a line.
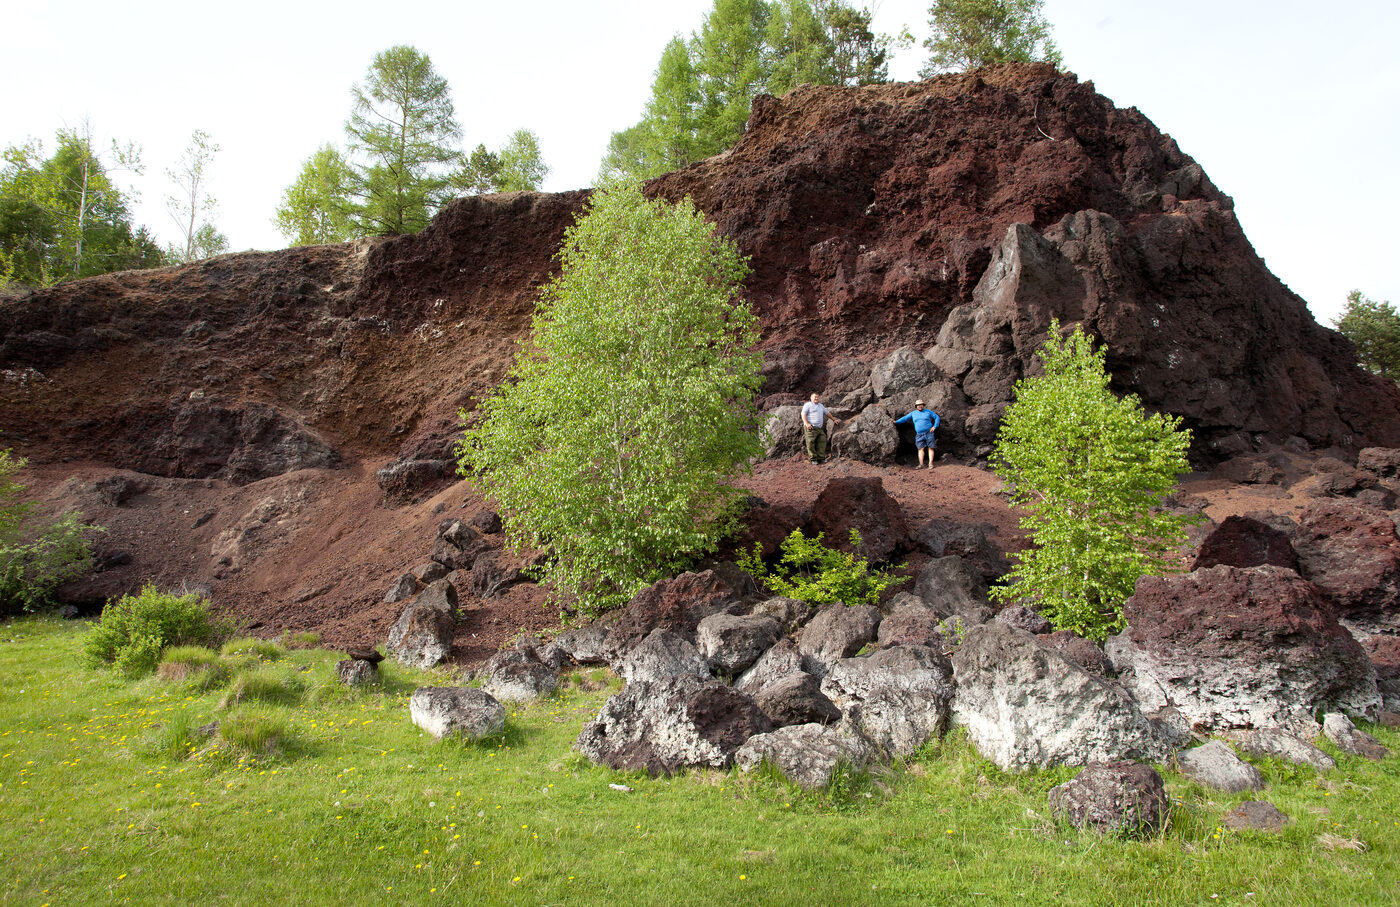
732 643
1351 741
402 588
1276 743
1215 765
1255 815
1113 797
951 586
1244 542
662 654
796 698
356 671
806 754
677 604
864 505
1023 618
775 664
836 632
443 711
1353 555
518 675
898 697
422 636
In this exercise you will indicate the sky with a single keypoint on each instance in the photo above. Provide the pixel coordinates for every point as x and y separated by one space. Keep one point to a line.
1292 109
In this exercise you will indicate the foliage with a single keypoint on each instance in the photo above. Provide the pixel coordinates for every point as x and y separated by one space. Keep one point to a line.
519 165
264 649
809 571
63 216
1091 470
35 559
403 134
316 209
704 86
134 630
1374 329
192 205
971 33
630 405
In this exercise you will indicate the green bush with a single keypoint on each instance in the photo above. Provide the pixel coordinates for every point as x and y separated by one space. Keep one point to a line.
35 560
811 572
135 630
1090 470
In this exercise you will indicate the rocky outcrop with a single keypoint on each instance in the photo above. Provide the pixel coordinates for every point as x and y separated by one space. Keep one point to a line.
1234 647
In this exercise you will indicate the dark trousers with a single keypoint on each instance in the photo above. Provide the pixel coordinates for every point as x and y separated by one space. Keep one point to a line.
816 443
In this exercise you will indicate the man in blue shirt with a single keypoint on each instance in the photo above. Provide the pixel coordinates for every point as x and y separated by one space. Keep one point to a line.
925 422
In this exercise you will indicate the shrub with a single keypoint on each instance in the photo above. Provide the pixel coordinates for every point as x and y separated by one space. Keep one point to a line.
811 572
254 730
1091 470
270 686
134 630
631 404
35 559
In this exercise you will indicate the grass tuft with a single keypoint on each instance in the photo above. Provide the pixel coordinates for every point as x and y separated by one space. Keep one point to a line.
265 649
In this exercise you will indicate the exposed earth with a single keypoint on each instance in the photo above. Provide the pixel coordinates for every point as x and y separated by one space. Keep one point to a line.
275 428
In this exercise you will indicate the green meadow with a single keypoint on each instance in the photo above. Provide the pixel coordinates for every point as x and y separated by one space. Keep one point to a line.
312 793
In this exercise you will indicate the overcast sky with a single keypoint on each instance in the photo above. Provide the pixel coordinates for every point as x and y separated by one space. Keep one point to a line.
1293 109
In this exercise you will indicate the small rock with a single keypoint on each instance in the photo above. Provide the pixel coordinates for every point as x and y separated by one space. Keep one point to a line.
1112 797
1276 743
1255 815
402 588
1216 765
806 754
457 710
1339 729
356 671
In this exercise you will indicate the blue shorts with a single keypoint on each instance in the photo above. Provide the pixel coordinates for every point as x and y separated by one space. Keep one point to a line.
924 440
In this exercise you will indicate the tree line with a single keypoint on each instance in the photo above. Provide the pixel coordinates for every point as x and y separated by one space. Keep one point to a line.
63 215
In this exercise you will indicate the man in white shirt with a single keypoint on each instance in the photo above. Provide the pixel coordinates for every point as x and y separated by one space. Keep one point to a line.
814 428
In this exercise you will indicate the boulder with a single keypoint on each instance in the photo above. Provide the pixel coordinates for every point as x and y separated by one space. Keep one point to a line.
968 541
1081 651
836 632
486 522
355 672
903 369
430 572
1351 552
951 586
586 645
807 754
1112 797
404 480
677 604
402 588
443 711
864 505
663 726
518 675
1243 647
1339 729
662 654
796 698
1215 765
422 636
870 437
1023 618
775 664
439 594
732 643
1276 743
898 697
1244 542
1026 706
784 432
790 613
1380 461
912 627
1384 652
1255 815
490 577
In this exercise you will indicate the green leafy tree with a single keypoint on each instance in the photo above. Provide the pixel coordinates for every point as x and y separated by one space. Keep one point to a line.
403 137
519 165
704 87
63 216
1091 470
316 209
966 34
809 571
191 205
611 443
35 558
1374 329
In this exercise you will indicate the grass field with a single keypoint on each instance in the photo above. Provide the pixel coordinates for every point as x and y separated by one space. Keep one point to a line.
108 794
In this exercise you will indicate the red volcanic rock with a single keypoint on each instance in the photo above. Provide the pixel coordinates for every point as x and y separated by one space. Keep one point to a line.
864 505
1243 542
1243 647
677 604
1350 551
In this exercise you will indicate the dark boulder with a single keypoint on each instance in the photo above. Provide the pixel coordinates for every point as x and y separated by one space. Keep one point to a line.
1240 541
864 505
1113 797
677 604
